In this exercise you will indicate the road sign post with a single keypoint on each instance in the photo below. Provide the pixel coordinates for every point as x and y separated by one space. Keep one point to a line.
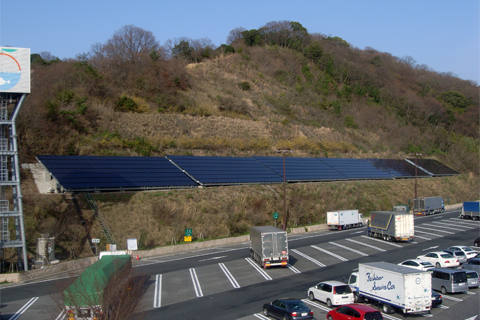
275 217
188 235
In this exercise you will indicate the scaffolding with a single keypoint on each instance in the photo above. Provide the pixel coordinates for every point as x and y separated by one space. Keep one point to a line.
11 210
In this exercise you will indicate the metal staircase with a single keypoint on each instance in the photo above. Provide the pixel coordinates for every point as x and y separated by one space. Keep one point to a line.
101 219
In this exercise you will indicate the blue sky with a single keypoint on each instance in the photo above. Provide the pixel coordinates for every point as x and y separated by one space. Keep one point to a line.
442 34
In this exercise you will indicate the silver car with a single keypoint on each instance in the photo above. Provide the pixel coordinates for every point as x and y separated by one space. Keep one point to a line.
472 264
472 278
457 253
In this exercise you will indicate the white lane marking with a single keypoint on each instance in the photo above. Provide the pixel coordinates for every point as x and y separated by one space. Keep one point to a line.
157 298
330 253
293 268
366 245
383 241
229 276
430 248
261 316
417 236
308 257
451 298
470 292
347 248
23 309
435 235
449 226
196 283
387 316
61 315
443 307
316 305
466 221
263 273
214 258
431 229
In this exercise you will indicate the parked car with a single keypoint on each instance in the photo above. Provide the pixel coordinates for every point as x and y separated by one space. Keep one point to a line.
333 293
288 309
440 259
459 254
354 311
473 264
448 280
472 278
476 242
468 251
417 264
436 299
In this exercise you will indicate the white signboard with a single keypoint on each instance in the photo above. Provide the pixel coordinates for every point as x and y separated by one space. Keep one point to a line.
132 244
14 70
95 240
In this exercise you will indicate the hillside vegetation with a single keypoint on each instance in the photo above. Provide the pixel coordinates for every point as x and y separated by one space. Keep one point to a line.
278 86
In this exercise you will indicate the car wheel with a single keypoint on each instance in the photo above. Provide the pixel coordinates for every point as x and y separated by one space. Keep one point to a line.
329 303
311 296
444 290
330 318
438 265
265 312
284 318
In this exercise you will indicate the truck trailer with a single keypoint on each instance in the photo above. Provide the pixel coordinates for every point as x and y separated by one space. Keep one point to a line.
392 287
391 226
428 205
470 210
344 219
269 246
84 298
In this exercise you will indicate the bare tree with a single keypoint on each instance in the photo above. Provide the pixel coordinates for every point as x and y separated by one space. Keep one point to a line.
128 44
235 34
47 56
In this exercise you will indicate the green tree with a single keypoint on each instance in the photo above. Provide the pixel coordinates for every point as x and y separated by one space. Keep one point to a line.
455 100
182 50
314 51
251 37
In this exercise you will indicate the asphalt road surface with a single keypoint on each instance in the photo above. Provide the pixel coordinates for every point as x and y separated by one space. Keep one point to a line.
223 283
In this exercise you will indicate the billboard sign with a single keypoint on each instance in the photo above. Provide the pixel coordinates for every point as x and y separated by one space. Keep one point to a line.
14 70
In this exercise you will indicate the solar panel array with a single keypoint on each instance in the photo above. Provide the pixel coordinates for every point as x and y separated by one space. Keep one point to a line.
90 172
398 168
435 167
226 170
81 173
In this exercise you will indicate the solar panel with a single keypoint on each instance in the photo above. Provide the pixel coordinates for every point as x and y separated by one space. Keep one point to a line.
398 168
356 168
301 169
87 172
434 167
225 170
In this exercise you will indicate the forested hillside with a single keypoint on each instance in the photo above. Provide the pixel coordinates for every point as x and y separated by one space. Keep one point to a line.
268 88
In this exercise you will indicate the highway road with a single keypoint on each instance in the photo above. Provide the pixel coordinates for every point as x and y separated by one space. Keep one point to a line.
223 283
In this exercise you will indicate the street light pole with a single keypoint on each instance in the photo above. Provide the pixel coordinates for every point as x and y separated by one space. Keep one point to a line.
419 154
284 225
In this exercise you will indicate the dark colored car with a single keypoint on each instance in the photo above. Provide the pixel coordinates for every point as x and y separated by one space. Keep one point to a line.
354 311
288 309
436 299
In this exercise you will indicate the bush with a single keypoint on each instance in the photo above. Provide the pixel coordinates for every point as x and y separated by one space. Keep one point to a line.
350 123
125 104
245 85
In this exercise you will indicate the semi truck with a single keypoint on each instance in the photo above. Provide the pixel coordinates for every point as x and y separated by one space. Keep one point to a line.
392 287
391 226
470 210
84 298
269 246
428 205
344 219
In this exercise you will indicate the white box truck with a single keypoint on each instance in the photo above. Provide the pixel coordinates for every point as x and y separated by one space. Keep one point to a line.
393 287
391 226
344 219
269 246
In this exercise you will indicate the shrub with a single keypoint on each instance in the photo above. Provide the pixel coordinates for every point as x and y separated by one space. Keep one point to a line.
125 104
350 123
245 85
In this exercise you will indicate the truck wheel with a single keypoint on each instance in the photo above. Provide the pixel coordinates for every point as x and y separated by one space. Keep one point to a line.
329 303
339 228
311 296
444 290
386 309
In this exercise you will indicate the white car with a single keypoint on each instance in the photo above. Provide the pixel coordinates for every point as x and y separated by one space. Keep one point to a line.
417 264
467 250
333 293
440 259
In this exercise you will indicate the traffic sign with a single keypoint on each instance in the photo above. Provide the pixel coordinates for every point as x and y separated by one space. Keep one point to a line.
95 240
188 232
275 215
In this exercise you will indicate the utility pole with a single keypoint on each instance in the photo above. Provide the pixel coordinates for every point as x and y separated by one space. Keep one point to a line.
284 225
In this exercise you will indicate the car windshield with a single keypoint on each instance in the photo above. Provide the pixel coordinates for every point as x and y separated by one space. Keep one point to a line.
297 305
343 289
459 253
426 264
446 255
373 316
459 277
472 275
467 249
